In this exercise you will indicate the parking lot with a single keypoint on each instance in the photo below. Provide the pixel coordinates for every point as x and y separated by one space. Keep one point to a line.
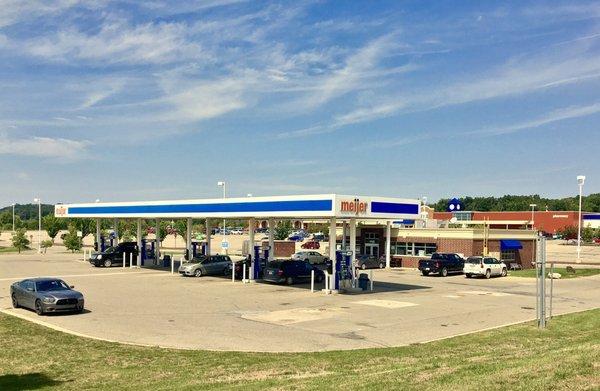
153 307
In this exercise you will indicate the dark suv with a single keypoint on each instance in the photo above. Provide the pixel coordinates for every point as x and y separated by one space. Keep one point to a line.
290 272
114 255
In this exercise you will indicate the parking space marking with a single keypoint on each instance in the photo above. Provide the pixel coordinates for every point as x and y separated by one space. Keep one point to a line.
121 273
392 304
453 296
294 315
485 293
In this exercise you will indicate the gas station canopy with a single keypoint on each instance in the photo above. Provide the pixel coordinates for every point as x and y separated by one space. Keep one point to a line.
303 206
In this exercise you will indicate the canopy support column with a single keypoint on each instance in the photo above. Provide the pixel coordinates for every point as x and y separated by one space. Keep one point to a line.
157 235
271 240
138 236
251 226
188 238
208 232
353 249
388 244
116 229
332 251
98 236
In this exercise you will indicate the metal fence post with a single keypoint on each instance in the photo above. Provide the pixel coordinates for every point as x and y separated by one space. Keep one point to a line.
124 258
551 288
312 281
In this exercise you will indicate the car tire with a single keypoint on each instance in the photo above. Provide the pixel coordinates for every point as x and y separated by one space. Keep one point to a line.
444 272
468 275
38 308
108 263
425 273
226 272
488 273
198 273
363 266
15 302
504 272
289 281
381 265
319 278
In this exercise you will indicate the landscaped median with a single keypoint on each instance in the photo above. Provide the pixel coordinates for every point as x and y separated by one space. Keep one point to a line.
562 271
566 355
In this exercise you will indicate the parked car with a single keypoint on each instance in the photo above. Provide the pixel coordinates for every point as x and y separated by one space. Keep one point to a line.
240 264
201 265
368 262
484 266
442 264
114 255
237 231
296 237
45 295
312 245
318 237
312 257
290 272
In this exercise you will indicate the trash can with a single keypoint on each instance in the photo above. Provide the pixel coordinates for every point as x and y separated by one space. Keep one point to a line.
363 281
166 261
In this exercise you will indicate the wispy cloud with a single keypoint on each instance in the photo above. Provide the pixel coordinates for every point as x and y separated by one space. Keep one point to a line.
43 147
554 116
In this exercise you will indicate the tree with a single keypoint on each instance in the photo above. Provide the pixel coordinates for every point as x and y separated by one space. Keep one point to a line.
86 226
47 244
587 234
52 225
180 227
283 230
72 241
19 240
569 232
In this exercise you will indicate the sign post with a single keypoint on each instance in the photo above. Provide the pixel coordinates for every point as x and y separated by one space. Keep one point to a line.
540 267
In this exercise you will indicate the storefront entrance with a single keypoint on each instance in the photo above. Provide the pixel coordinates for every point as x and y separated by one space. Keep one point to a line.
372 249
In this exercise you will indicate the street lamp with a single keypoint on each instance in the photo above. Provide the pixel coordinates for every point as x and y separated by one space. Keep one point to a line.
532 206
580 182
223 185
13 205
39 201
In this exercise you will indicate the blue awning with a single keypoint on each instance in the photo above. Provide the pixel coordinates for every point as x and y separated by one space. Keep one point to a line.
510 244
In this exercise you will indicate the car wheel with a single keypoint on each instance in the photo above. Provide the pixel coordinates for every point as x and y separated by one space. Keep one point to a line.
289 280
319 278
38 308
381 265
425 273
444 272
504 272
107 263
363 266
468 275
15 303
226 272
198 273
488 273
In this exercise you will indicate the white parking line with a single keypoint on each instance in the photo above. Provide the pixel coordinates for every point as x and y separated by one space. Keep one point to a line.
393 304
126 273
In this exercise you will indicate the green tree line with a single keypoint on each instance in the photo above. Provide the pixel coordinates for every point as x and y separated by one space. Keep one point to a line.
514 203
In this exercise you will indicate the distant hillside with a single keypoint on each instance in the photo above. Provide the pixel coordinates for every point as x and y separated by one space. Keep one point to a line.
512 203
28 211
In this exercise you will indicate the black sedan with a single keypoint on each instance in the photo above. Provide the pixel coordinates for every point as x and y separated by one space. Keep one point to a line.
46 295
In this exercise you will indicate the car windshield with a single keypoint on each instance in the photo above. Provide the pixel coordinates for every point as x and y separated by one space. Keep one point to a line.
197 260
51 285
110 250
474 260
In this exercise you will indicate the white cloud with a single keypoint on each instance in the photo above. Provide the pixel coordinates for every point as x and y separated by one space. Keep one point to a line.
554 116
43 147
14 11
117 42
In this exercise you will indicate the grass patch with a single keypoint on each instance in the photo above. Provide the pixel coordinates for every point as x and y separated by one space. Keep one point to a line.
561 270
11 250
566 355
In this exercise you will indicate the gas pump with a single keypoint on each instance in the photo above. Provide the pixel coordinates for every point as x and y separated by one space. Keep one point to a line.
105 243
148 250
343 276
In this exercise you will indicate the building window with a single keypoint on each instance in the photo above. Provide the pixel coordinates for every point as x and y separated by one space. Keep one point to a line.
508 256
424 249
404 249
371 236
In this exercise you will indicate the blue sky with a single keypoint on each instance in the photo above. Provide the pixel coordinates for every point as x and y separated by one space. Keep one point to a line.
125 100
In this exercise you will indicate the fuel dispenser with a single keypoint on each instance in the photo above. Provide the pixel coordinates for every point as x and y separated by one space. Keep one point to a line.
343 276
148 250
105 242
259 261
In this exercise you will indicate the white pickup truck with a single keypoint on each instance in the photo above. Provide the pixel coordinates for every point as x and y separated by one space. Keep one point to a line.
484 266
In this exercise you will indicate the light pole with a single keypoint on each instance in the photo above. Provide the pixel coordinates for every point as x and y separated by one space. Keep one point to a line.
13 205
39 201
532 206
223 185
580 182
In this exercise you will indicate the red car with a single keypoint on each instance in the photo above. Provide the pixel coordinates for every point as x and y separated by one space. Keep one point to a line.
311 245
